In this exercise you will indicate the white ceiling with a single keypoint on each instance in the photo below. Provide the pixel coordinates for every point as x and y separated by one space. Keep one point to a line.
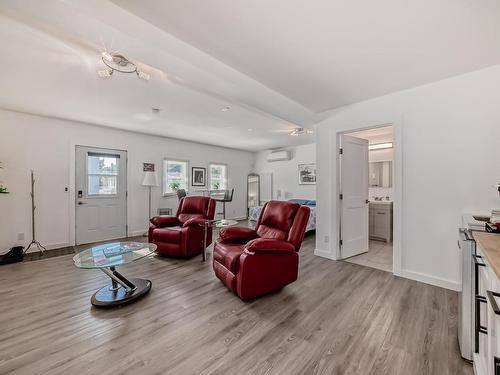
277 64
328 53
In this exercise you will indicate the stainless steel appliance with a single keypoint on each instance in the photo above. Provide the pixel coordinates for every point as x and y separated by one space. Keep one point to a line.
466 297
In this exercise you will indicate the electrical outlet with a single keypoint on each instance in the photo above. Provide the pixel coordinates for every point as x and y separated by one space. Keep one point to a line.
20 236
327 239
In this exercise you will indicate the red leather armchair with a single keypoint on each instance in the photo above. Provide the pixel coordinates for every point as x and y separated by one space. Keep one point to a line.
182 235
255 262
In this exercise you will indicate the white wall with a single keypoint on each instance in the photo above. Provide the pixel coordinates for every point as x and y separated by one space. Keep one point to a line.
47 146
450 147
285 173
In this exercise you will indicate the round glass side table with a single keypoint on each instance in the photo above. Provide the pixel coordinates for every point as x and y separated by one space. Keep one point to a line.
214 224
106 258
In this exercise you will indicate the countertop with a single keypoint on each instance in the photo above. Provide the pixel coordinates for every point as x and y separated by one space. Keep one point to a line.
490 246
387 203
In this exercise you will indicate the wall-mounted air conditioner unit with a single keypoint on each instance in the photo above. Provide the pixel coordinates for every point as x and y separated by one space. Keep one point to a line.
279 155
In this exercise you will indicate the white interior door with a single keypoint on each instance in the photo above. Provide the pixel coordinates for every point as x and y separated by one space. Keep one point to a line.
101 194
354 196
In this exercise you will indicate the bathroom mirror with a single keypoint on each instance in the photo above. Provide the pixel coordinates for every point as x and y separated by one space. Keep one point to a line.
380 174
253 190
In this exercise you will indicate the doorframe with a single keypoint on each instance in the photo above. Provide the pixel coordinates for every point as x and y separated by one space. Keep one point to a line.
72 189
397 186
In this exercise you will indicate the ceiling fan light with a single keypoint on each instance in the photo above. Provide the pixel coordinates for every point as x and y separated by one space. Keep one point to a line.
107 56
144 76
105 73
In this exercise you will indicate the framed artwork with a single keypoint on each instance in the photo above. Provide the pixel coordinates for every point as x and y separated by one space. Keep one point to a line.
198 176
307 174
148 167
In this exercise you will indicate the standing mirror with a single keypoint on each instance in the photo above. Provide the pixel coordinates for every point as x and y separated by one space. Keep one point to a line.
253 190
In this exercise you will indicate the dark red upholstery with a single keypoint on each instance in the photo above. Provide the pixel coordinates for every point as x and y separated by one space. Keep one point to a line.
182 235
255 262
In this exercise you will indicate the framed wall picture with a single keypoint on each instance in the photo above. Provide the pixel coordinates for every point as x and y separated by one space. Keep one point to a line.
307 174
198 176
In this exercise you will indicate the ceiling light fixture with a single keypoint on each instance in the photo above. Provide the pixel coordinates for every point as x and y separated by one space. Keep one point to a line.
380 146
250 130
300 131
119 63
155 110
225 109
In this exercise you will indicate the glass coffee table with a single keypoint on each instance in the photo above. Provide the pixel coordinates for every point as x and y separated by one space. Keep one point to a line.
106 257
214 224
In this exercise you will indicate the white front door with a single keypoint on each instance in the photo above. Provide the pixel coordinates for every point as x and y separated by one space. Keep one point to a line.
354 196
101 194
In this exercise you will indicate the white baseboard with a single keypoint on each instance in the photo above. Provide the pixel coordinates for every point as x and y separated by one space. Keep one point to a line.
408 274
34 249
432 280
324 254
136 233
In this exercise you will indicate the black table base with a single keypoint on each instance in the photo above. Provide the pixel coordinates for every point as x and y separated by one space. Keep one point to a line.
120 291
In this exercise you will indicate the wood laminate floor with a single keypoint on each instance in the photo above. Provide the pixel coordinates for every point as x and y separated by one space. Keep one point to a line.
338 318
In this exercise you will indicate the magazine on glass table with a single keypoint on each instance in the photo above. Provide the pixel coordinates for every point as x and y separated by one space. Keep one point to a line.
121 248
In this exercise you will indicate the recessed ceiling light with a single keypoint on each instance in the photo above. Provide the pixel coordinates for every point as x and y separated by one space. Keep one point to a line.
309 131
225 109
250 130
155 110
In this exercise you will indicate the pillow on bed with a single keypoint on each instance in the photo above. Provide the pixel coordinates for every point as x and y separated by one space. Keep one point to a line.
311 203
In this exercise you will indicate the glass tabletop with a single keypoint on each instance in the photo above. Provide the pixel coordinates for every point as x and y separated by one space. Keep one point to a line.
113 254
224 223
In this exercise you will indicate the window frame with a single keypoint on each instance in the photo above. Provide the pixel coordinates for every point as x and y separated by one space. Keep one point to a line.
164 175
210 175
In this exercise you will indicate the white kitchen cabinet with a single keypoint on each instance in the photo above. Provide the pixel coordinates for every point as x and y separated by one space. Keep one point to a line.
489 344
380 220
481 358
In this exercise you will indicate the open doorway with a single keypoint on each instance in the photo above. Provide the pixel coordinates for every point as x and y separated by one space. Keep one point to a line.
366 197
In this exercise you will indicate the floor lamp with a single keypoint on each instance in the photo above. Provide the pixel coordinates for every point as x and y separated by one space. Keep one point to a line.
150 179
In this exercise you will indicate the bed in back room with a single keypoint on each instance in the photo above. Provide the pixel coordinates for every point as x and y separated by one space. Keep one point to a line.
254 212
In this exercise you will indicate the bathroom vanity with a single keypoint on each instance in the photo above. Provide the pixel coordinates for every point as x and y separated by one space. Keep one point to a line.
380 220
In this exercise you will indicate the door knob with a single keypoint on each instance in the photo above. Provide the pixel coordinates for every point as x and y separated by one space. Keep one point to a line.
80 203
367 201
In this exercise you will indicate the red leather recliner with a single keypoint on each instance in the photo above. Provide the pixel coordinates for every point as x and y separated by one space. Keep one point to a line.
255 262
182 235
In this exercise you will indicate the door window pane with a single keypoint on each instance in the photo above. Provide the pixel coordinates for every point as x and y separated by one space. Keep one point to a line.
218 176
102 174
174 176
